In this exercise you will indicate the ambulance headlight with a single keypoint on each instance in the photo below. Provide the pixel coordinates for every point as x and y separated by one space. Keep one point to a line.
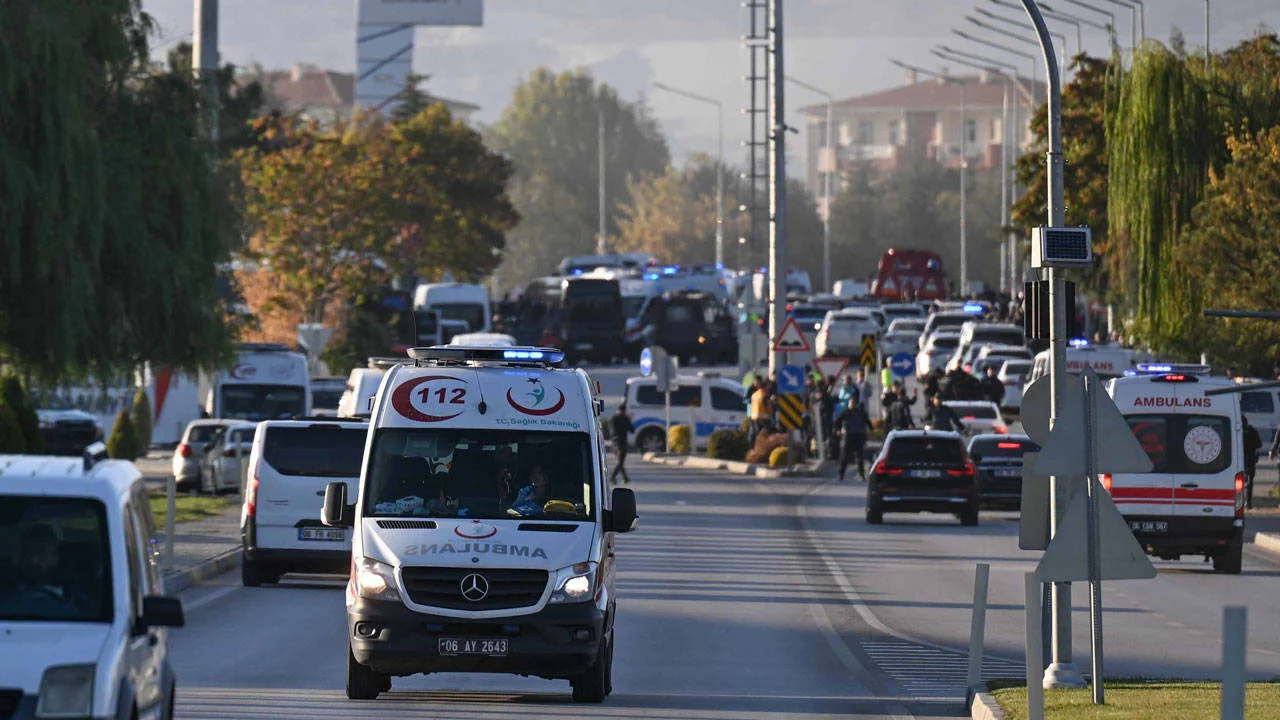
376 580
66 691
575 584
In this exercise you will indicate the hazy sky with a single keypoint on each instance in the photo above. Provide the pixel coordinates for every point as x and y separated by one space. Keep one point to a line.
843 46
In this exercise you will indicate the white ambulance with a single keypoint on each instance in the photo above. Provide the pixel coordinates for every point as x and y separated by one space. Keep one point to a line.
1108 362
483 527
1192 503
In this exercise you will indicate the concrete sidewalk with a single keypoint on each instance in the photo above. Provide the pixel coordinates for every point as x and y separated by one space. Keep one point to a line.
202 549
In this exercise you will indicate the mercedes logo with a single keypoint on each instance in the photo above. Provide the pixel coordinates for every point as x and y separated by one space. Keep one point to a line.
474 587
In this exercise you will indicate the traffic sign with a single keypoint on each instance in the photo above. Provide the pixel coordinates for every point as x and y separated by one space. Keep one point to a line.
1065 560
1115 449
791 410
1035 405
791 339
902 364
790 380
831 367
868 356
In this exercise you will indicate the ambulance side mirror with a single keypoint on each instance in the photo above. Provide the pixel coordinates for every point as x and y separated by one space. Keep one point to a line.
336 512
623 517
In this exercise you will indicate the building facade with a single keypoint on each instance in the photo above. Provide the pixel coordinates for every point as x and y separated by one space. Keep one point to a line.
326 97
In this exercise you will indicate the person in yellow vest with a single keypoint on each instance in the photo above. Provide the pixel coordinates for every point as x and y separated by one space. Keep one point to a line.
886 375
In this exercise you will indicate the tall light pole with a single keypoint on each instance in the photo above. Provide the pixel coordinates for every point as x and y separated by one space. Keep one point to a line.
1133 21
777 184
1111 18
204 58
1061 16
1012 35
964 166
997 46
829 143
719 162
1075 22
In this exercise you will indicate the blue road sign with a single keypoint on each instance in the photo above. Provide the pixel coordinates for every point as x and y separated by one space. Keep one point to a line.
902 364
646 362
790 380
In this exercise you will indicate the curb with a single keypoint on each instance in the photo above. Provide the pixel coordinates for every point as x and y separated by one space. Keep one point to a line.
1267 541
733 466
180 580
984 706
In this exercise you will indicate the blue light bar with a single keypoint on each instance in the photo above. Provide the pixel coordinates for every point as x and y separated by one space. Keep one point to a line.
1165 368
577 271
670 270
1079 342
974 308
649 276
467 353
522 354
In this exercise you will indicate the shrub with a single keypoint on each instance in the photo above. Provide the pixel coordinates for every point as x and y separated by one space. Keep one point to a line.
11 440
140 413
680 439
746 427
779 457
726 444
15 397
765 444
123 443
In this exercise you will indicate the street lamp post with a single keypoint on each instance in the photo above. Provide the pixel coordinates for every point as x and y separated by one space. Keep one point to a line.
826 180
1133 20
719 162
998 46
1015 36
964 167
1111 18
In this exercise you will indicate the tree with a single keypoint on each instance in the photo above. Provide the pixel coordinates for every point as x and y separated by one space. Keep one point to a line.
665 215
333 212
411 100
15 398
11 440
140 414
550 133
122 444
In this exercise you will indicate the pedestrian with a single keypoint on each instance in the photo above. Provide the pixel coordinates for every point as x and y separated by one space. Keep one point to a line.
1252 446
992 388
620 427
900 413
886 374
854 425
757 412
864 388
941 417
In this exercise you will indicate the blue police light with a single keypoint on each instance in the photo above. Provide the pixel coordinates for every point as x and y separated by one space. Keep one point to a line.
670 270
974 308
1154 368
577 271
649 276
1079 342
523 355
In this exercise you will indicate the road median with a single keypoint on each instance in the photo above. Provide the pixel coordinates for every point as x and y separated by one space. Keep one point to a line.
1134 700
808 469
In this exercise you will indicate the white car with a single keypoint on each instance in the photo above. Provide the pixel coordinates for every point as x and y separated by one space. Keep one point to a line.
1013 375
292 462
897 311
83 615
705 402
483 339
1021 352
936 351
226 460
842 332
979 416
189 453
946 320
903 336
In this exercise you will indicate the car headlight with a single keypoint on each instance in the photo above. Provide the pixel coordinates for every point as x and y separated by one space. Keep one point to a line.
376 580
575 583
66 691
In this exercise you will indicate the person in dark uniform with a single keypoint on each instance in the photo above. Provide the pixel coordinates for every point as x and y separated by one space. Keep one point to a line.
1252 446
942 417
854 425
620 427
992 388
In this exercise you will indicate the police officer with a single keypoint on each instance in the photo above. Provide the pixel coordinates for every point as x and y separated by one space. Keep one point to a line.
620 427
1252 446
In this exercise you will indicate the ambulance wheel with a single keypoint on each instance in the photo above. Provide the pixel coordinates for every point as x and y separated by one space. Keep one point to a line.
969 516
593 685
363 683
1231 560
651 440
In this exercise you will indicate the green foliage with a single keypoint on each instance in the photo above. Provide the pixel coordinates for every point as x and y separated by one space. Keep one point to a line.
550 133
140 414
780 457
123 442
19 404
109 223
412 100
11 440
680 439
726 444
359 336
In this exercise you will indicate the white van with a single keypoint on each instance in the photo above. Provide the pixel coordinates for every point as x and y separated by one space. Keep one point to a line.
82 614
705 402
1192 503
456 301
1262 408
267 382
483 527
1108 362
362 386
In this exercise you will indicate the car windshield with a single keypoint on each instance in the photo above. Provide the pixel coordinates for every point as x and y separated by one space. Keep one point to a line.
55 560
263 402
470 313
593 307
315 451
909 450
945 342
998 336
483 474
1003 448
202 433
907 326
1257 402
972 412
326 399
1014 367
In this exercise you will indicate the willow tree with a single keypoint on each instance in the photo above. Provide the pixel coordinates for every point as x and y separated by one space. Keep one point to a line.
1161 140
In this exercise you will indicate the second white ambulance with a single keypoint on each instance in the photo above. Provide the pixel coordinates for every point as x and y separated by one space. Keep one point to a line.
483 530
1192 503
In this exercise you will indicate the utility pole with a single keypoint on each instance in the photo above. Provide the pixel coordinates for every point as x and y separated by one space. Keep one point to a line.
603 232
777 184
1062 672
1207 46
204 60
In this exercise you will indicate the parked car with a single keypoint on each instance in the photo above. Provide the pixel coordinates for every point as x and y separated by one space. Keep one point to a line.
923 471
189 454
999 462
227 458
66 430
842 330
86 634
934 354
292 462
979 416
1013 375
903 336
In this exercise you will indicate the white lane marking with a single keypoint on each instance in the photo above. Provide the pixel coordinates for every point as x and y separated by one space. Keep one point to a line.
215 595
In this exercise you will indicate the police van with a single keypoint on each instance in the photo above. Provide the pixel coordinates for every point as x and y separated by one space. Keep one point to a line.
705 402
483 527
1192 503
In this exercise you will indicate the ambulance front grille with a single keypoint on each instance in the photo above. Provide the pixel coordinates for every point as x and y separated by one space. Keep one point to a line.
442 587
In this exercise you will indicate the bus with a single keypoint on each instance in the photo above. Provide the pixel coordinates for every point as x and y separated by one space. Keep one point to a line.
910 275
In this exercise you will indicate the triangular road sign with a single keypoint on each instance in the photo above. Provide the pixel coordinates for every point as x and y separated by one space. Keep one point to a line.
1115 449
1067 558
830 367
791 339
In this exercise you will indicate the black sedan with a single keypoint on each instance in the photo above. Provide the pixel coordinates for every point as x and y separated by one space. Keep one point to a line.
999 461
923 471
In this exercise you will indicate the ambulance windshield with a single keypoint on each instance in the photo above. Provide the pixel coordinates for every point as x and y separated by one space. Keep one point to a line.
486 474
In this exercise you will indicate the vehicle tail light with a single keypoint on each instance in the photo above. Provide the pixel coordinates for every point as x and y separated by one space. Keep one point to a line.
882 468
184 450
1001 430
1239 494
967 470
1009 445
251 497
1106 481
